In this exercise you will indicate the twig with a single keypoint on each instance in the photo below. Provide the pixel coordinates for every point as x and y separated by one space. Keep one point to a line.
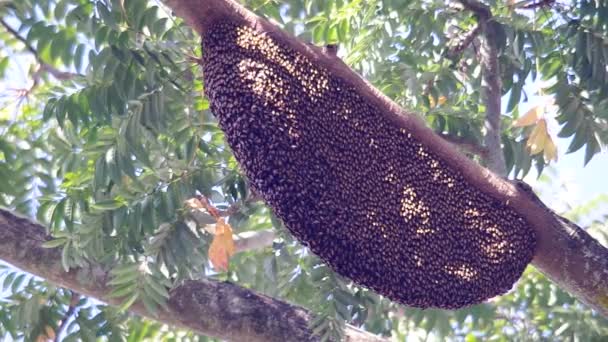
66 317
464 41
533 5
16 34
44 67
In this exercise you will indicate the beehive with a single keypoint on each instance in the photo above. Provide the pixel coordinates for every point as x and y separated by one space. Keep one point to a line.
364 194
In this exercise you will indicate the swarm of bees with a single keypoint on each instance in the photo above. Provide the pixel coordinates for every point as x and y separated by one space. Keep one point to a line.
362 193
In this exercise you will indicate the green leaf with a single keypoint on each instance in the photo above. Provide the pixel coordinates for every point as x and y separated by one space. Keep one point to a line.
65 256
125 269
8 280
4 62
127 303
55 243
16 286
157 286
108 204
150 304
125 278
580 138
100 36
124 290
593 147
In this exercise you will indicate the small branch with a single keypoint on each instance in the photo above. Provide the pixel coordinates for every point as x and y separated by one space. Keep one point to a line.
466 145
44 67
491 85
66 317
464 41
527 4
17 36
479 8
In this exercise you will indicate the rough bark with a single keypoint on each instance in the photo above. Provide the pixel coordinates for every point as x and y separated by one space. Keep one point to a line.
206 306
565 253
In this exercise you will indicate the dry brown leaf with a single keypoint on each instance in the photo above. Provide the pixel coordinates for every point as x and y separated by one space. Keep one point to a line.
194 203
531 117
222 246
201 202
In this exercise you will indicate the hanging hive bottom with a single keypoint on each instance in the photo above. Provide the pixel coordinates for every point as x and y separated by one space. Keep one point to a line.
362 193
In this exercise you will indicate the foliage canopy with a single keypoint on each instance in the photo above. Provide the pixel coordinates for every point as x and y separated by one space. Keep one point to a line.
111 135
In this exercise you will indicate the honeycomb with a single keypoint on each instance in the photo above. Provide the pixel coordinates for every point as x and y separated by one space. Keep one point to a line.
362 193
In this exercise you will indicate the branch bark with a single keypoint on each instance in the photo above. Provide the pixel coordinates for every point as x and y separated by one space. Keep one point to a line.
565 253
206 306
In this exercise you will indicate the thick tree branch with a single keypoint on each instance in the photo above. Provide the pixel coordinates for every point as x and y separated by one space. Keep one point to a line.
209 307
565 253
491 85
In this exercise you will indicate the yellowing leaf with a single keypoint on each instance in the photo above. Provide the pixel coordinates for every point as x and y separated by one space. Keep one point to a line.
47 336
550 150
49 332
537 138
531 117
440 100
540 140
222 246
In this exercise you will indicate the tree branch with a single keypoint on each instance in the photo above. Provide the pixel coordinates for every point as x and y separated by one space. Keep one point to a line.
565 253
209 307
491 85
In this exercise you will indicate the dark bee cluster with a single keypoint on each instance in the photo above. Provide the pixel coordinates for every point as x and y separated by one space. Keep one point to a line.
364 194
